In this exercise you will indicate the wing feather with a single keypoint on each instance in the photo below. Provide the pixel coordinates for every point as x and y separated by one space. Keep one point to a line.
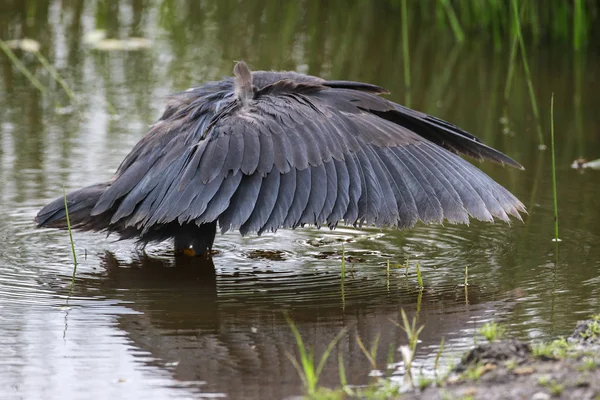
318 194
388 212
285 196
407 210
428 206
450 203
300 198
242 203
251 155
264 204
221 200
332 192
342 191
356 187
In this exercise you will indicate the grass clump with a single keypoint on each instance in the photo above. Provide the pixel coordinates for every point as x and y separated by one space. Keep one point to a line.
492 331
556 349
554 387
372 353
593 329
587 364
510 364
306 368
412 334
474 372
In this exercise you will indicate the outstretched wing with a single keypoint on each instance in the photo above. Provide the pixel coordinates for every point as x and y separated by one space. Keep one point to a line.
313 152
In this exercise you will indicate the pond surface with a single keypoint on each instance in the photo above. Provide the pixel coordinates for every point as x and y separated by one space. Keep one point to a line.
140 325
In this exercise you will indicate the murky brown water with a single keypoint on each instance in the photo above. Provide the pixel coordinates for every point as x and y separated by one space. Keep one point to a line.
139 326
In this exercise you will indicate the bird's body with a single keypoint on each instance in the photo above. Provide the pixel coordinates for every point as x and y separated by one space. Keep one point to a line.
269 150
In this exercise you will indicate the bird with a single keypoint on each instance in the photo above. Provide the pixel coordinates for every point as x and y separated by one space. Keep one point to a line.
266 150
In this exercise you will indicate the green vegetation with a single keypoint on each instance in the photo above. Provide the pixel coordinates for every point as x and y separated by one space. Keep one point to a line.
380 388
474 372
371 354
588 364
492 331
593 329
568 22
419 277
70 236
438 355
412 334
555 349
343 277
309 373
555 196
510 364
555 388
454 23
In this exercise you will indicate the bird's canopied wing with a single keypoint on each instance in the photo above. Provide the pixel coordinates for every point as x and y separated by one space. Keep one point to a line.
309 153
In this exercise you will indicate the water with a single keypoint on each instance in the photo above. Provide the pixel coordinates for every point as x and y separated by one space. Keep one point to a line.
137 325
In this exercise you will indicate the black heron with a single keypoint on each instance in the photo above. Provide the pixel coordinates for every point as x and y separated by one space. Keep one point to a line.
267 150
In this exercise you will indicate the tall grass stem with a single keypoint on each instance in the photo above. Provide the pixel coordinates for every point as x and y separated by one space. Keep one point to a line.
454 23
70 236
554 193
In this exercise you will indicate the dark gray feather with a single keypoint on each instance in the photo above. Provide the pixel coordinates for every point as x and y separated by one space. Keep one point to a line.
300 199
264 204
285 197
242 203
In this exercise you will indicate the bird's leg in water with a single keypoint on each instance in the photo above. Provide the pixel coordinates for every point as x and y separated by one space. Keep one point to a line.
194 240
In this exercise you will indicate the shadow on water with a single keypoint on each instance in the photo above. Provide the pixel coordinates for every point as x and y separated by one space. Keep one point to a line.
145 325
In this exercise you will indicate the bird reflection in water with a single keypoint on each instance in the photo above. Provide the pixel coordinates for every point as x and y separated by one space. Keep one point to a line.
227 328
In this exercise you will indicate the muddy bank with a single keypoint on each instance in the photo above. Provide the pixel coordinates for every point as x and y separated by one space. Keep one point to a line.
567 368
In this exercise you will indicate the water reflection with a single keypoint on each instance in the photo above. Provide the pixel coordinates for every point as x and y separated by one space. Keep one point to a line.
216 329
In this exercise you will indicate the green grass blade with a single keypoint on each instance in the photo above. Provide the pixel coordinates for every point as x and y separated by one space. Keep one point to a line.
21 67
554 194
342 369
454 24
70 237
365 352
328 350
438 355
